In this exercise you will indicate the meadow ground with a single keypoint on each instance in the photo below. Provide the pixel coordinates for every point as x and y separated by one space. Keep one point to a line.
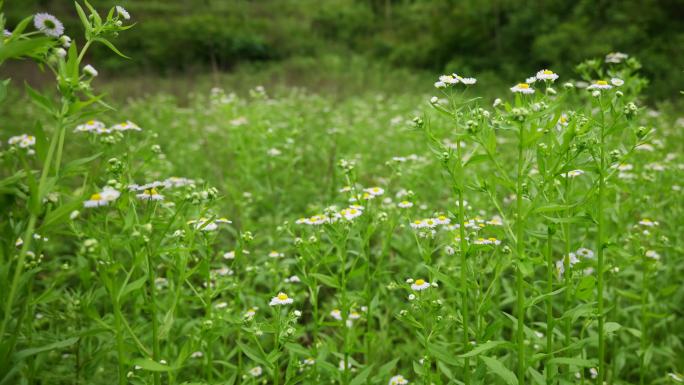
287 236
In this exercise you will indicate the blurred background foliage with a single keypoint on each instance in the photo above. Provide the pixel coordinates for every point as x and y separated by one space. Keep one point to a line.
505 40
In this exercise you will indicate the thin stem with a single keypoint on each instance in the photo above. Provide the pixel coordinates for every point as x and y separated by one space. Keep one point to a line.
153 309
464 264
520 248
550 269
601 198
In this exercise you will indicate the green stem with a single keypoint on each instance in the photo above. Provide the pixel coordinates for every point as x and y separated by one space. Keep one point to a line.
601 198
520 250
550 269
119 342
153 309
276 347
464 264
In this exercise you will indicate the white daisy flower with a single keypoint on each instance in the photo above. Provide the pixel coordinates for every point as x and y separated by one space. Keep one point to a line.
449 79
90 70
23 141
256 371
341 365
440 85
126 126
150 195
308 361
275 254
531 80
487 241
6 33
354 315
585 253
121 11
600 85
523 88
336 314
417 224
442 220
375 191
61 52
48 24
350 213
653 254
177 182
197 354
420 284
430 223
293 279
560 264
229 255
495 221
648 223
617 82
281 299
398 380
273 152
405 204
497 102
547 75
616 57
250 313
102 198
468 81
205 224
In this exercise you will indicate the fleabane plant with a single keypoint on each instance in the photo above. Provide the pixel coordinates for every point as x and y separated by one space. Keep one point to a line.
40 152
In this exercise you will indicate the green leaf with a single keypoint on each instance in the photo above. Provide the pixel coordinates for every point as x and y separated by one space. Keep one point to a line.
500 370
362 376
111 46
153 366
84 19
538 298
580 362
19 48
610 327
254 355
55 345
40 100
327 280
483 348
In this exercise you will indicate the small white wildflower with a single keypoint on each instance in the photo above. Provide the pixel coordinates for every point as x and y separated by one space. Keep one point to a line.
523 88
121 11
90 70
281 299
398 380
48 24
420 284
547 75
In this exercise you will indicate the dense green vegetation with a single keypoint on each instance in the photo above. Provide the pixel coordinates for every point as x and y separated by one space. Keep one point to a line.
466 235
488 38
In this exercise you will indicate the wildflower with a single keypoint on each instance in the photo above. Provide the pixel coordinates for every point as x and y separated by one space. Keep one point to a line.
616 57
487 241
375 191
336 314
206 224
497 102
419 285
273 152
449 79
653 254
468 81
90 70
61 52
573 173
442 220
350 213
547 75
585 253
126 126
6 33
648 223
197 354
281 299
617 82
308 361
600 85
102 198
341 365
560 264
398 380
405 204
23 140
121 11
250 313
65 41
531 80
48 24
495 221
276 254
256 371
293 279
354 315
150 195
522 88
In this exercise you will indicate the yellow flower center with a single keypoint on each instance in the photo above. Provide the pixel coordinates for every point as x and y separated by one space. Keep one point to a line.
523 85
420 282
492 239
95 197
282 296
548 72
601 82
417 222
91 122
441 217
